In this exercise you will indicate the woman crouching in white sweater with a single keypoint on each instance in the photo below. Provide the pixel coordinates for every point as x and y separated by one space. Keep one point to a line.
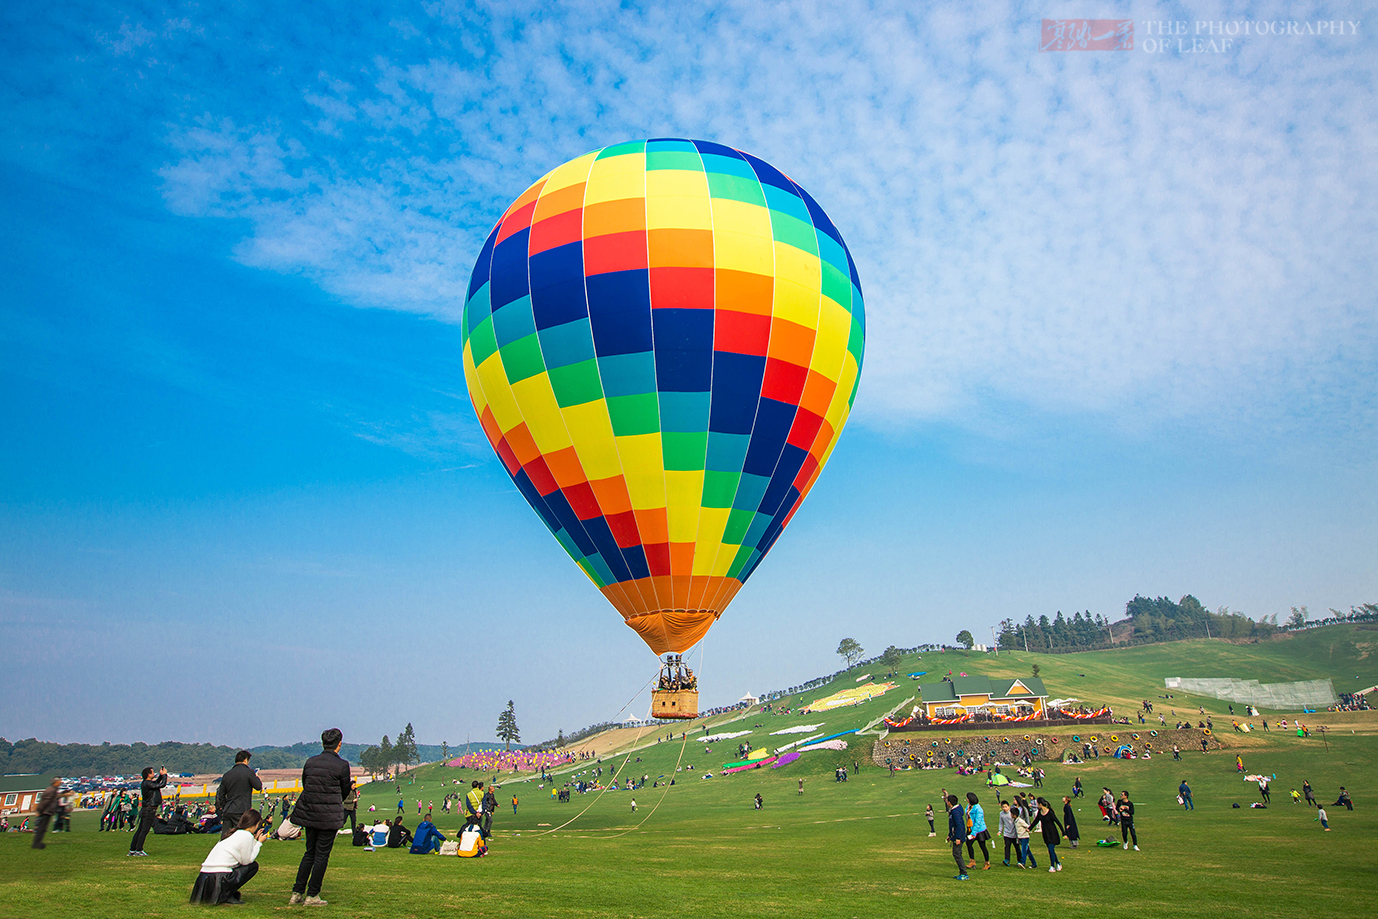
231 864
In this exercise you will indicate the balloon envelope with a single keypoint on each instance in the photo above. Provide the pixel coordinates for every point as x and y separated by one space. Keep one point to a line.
662 341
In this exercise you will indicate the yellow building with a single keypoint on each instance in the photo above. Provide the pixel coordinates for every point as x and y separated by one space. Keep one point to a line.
970 695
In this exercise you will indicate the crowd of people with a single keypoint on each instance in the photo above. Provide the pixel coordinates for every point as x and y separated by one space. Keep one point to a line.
1351 702
514 760
1020 820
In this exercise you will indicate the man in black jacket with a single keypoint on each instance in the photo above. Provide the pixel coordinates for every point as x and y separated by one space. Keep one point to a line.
319 812
236 793
151 794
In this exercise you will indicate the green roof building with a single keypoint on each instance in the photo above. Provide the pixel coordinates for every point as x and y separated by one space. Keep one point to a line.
957 696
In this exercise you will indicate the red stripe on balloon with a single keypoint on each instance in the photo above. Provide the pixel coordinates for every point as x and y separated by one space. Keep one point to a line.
615 252
784 382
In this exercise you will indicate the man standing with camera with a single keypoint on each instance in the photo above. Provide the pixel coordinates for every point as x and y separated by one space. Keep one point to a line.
236 793
151 798
325 783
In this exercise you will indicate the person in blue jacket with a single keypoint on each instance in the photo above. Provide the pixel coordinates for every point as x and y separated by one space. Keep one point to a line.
1184 791
957 835
978 834
427 838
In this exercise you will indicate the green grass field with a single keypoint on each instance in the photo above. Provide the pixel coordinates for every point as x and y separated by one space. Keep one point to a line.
858 849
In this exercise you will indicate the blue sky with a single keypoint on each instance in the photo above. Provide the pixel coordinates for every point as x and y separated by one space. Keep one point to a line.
1121 339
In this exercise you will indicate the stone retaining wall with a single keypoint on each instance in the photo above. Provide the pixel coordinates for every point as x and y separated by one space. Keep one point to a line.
899 747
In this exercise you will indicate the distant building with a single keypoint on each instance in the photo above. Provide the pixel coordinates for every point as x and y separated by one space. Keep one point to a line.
748 700
19 793
962 695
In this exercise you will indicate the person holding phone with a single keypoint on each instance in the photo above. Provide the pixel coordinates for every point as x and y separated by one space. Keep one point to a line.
232 863
151 798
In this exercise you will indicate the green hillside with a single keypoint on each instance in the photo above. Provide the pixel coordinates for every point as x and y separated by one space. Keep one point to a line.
1123 678
855 849
1119 678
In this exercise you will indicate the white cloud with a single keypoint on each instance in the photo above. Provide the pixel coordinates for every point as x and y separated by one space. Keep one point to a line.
1147 237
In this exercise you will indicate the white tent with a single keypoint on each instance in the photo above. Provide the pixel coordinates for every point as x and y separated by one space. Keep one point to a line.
749 699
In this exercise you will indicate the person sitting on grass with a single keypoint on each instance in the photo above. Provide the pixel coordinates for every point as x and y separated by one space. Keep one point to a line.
231 864
427 839
399 835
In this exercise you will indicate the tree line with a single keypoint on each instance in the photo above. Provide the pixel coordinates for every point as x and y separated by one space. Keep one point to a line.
1301 617
77 759
382 756
1150 620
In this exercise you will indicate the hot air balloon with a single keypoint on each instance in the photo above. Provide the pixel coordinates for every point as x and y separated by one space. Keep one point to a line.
662 341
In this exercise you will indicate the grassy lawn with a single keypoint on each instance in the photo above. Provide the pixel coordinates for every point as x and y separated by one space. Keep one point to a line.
858 849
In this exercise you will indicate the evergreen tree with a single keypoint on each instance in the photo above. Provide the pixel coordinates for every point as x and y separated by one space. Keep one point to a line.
507 727
404 751
385 754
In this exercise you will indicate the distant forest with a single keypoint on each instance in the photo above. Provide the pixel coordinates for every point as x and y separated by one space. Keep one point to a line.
28 756
1151 621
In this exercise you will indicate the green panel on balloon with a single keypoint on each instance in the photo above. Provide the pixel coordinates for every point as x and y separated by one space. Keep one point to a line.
684 450
576 384
522 359
639 414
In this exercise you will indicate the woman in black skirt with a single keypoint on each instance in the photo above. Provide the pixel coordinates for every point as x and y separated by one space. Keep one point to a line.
231 864
1069 822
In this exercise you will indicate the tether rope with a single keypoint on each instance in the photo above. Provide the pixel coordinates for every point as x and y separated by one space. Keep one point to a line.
604 790
632 749
682 748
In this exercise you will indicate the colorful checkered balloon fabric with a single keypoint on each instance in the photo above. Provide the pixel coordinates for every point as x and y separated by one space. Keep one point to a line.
662 341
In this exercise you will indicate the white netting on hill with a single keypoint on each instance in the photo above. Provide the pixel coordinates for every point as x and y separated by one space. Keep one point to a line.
1284 696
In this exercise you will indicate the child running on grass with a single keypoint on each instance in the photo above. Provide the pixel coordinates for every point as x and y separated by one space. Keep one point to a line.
1320 815
1021 832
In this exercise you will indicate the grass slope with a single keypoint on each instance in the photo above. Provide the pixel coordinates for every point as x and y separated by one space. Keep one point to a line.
846 850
